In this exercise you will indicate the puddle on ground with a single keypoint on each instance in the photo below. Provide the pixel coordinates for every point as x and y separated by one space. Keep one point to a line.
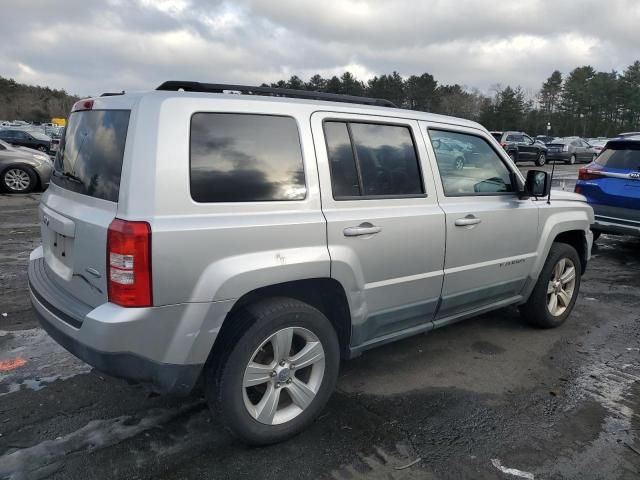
31 359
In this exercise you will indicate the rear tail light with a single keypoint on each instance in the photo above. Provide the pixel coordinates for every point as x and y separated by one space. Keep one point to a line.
129 263
504 145
586 173
565 148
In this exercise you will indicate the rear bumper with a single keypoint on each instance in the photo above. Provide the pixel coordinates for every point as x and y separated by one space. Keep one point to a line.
616 225
622 221
156 346
564 156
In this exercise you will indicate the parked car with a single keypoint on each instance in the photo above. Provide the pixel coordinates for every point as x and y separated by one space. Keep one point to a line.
612 186
30 139
629 134
571 150
22 169
336 226
522 148
597 144
449 155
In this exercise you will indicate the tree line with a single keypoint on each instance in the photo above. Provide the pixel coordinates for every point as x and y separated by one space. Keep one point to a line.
32 103
584 102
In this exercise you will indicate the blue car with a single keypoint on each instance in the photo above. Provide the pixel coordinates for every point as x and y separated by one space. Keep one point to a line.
611 184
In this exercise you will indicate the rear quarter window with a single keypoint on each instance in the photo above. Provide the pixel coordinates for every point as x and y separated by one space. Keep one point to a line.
245 158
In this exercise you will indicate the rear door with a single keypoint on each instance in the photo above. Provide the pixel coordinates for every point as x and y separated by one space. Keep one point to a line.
385 230
81 202
492 235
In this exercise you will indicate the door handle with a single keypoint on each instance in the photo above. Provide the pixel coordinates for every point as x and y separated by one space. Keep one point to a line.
362 229
467 221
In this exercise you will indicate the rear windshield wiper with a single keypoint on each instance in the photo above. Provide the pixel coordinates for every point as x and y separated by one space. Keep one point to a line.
68 175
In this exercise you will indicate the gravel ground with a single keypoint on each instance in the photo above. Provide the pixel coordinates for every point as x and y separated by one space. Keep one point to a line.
486 398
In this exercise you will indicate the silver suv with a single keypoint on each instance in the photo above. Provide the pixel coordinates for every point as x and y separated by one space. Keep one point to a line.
254 240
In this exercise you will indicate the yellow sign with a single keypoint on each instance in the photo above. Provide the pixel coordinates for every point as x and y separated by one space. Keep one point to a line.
61 122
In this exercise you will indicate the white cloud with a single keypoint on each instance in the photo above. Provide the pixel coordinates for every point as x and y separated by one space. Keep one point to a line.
107 45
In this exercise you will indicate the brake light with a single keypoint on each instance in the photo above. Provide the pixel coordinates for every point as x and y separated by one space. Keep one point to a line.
129 263
82 105
504 145
565 148
586 173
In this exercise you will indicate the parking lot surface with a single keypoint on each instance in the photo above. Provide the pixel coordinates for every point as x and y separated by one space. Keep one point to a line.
486 398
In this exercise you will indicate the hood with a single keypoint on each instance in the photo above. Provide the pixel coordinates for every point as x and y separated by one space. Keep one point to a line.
567 196
29 151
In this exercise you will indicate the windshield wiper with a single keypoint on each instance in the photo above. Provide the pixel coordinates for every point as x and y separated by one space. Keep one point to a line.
68 175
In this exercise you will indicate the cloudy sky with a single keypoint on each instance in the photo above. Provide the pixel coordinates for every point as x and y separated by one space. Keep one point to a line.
91 46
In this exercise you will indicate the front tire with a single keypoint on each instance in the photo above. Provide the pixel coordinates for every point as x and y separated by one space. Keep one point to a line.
18 179
556 290
278 372
541 160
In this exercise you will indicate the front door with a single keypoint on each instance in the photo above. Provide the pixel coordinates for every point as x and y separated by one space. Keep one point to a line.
385 229
492 235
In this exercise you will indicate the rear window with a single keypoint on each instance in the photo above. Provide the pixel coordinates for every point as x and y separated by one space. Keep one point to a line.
497 136
622 155
89 160
245 158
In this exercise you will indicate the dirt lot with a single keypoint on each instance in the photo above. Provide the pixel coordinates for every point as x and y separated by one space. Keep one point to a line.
486 398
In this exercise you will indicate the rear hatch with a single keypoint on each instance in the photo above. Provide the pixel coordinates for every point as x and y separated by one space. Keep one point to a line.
614 178
77 210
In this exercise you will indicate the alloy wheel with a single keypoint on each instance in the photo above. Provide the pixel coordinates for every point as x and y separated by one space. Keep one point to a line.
561 287
283 376
17 180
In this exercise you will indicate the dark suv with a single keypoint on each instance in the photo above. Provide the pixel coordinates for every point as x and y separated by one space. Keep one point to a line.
22 138
522 148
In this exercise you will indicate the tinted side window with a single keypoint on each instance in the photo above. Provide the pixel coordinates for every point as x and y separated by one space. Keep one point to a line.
387 159
245 158
481 170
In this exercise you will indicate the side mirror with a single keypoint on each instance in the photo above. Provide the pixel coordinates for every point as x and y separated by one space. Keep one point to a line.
538 183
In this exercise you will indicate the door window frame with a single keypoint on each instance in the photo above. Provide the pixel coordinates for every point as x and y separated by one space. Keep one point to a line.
348 121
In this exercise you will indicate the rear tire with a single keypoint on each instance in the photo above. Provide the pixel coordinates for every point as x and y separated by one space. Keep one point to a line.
556 280
253 372
572 160
459 163
541 160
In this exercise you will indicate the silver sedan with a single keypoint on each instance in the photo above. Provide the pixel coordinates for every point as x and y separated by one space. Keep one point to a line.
22 169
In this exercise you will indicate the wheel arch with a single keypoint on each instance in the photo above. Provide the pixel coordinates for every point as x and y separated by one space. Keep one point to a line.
578 240
325 294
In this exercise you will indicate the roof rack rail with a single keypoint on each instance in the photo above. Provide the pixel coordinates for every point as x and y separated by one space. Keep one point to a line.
272 92
112 94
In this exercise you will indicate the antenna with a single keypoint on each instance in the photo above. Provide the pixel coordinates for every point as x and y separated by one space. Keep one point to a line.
553 168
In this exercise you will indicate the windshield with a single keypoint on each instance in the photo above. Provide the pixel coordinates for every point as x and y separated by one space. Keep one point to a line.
620 155
89 160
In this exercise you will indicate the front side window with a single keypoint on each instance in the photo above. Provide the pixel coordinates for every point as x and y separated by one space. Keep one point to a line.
372 160
478 170
245 158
